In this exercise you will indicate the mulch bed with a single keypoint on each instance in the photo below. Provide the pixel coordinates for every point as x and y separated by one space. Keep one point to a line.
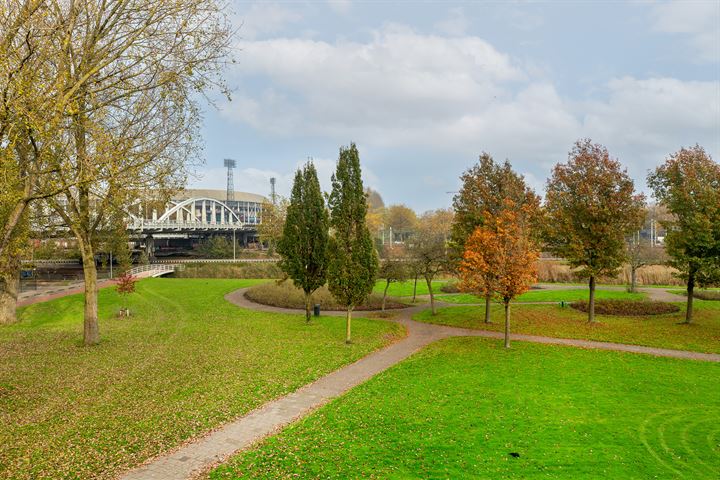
627 307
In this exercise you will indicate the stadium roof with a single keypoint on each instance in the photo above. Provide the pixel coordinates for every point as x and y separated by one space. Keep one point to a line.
218 195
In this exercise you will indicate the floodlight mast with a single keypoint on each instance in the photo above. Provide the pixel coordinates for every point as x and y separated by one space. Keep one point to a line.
229 163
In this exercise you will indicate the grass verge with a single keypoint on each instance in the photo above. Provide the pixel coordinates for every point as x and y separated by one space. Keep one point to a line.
184 363
467 408
405 289
662 331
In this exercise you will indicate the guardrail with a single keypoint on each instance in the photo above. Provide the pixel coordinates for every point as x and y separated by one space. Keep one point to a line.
216 260
53 261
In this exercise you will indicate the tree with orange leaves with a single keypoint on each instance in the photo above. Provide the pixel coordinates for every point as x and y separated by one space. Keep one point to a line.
500 259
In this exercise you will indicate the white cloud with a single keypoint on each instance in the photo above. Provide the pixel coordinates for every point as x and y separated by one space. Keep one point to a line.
459 96
263 19
699 20
399 78
647 119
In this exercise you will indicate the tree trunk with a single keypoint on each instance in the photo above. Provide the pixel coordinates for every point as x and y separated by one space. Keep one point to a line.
308 299
91 332
591 303
387 285
348 321
633 278
690 291
487 308
9 281
428 280
415 288
507 324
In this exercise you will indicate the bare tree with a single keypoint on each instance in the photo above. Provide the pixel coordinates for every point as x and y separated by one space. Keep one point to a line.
429 247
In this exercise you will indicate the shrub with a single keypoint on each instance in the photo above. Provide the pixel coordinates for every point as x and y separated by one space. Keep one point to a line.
450 287
706 294
627 307
230 270
284 294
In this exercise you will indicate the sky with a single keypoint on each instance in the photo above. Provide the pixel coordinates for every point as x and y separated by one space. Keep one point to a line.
423 88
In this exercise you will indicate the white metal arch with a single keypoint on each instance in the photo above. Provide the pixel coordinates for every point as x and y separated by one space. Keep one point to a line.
210 203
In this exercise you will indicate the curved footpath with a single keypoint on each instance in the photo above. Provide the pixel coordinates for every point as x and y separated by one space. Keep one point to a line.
198 456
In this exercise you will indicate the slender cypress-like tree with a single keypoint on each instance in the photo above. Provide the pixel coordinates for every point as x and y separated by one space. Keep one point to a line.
353 260
304 242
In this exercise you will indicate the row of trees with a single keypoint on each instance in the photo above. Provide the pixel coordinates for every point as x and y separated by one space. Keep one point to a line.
330 244
590 211
98 108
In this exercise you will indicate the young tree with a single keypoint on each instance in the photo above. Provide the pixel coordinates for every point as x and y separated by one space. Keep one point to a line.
485 186
501 250
270 229
591 208
393 267
130 128
125 285
304 242
688 184
353 258
640 253
429 247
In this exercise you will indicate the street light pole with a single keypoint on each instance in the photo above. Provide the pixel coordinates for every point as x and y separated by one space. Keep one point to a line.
234 244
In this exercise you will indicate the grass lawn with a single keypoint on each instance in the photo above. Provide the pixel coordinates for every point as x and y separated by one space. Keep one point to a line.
460 407
553 321
184 363
569 295
405 289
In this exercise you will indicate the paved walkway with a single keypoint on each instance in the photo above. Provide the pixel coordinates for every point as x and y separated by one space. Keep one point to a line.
200 455
52 292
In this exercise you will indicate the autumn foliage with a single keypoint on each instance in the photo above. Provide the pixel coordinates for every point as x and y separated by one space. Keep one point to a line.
500 258
125 285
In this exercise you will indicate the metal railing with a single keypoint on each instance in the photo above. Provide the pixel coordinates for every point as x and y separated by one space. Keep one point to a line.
216 260
53 261
155 267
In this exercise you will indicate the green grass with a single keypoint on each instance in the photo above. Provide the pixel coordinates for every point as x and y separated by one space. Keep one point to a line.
405 289
184 363
459 408
549 295
553 321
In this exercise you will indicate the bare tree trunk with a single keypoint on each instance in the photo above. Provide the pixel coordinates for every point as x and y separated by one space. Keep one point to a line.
428 280
9 281
415 288
690 292
487 308
308 298
507 324
591 303
387 285
633 278
91 331
348 321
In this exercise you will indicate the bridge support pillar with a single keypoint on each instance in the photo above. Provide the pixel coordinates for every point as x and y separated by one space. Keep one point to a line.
150 247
